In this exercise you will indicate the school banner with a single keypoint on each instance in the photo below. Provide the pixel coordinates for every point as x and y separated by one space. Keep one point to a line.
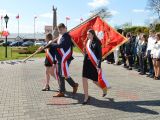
109 37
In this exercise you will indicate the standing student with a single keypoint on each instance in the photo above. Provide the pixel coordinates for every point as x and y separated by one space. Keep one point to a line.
155 53
92 64
137 48
128 50
151 42
142 54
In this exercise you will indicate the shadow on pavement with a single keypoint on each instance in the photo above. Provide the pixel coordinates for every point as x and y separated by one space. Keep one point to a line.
126 106
14 62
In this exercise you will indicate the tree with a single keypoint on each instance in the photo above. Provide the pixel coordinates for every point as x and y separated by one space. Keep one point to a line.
154 5
157 28
103 12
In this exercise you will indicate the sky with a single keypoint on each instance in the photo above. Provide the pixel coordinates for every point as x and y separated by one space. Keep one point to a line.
133 11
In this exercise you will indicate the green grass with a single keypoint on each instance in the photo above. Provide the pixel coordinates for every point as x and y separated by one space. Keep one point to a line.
14 55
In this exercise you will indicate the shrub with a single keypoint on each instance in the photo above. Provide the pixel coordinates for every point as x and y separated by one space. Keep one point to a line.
29 50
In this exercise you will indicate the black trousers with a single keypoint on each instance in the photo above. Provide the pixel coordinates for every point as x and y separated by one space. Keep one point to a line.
130 59
123 58
150 63
62 79
143 63
137 61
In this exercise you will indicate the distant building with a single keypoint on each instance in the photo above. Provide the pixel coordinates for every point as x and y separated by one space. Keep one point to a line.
48 29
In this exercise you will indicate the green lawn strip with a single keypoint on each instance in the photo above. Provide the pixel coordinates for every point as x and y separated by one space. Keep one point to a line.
15 55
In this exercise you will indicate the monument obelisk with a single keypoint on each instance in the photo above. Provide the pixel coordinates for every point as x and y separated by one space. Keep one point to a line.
55 30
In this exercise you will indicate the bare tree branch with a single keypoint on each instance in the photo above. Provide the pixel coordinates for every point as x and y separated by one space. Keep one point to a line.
103 12
154 6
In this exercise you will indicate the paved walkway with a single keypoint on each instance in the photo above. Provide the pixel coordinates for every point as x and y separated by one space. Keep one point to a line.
132 97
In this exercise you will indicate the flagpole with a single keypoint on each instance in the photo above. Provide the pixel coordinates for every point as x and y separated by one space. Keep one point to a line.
18 27
66 22
34 28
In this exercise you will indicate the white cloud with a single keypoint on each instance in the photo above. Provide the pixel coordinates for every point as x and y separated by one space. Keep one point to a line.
140 11
114 12
46 15
98 3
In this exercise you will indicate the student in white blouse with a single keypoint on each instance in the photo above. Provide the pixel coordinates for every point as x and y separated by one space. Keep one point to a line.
156 57
150 45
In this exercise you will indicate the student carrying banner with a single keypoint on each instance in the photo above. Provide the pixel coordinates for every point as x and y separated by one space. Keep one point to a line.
92 65
64 57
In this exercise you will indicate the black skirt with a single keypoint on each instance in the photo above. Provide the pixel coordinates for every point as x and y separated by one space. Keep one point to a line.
47 63
89 71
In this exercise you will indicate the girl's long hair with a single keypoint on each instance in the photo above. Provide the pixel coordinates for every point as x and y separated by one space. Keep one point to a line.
95 38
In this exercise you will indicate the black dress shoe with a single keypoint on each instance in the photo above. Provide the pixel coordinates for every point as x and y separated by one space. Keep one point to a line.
130 68
148 75
47 88
142 73
139 70
86 102
104 95
151 76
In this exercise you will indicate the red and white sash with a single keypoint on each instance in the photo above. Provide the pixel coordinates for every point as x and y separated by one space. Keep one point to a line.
64 65
101 80
50 59
49 56
65 56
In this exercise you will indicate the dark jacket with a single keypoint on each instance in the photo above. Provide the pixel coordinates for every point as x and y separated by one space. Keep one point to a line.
52 52
97 50
128 48
65 44
143 49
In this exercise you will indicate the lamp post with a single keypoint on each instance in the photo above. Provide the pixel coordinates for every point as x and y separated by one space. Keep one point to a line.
6 18
35 27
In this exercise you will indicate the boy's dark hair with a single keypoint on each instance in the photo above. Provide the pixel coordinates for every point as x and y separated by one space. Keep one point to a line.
61 25
128 34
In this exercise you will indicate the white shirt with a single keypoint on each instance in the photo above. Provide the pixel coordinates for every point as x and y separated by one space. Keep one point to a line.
151 42
156 50
59 39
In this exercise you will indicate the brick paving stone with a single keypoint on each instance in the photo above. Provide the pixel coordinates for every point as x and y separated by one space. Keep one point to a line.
132 97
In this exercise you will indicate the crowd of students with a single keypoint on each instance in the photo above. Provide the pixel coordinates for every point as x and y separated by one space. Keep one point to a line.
141 52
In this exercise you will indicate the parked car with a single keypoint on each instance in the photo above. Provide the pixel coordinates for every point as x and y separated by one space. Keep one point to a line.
16 43
4 43
39 43
1 41
28 43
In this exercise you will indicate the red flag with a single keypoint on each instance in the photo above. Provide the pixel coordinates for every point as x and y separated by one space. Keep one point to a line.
109 37
5 33
67 18
17 17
